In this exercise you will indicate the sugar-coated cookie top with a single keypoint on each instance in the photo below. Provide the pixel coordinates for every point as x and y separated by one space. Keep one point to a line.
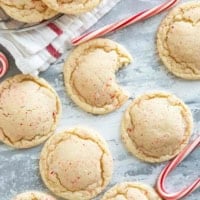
29 11
33 195
76 164
72 7
29 112
131 191
90 75
156 126
178 40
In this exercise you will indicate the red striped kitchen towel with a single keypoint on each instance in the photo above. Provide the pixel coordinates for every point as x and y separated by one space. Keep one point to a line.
35 50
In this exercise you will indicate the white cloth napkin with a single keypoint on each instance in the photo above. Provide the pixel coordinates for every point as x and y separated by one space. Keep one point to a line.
35 50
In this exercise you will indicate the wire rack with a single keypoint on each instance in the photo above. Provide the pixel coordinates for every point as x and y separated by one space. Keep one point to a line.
9 25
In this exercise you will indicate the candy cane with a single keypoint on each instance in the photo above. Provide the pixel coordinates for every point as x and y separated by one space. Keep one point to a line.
124 23
3 65
171 166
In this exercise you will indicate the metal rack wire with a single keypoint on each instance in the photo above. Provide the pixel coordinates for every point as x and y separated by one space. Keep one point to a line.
9 25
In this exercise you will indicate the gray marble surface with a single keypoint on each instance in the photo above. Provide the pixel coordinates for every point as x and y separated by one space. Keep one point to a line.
19 168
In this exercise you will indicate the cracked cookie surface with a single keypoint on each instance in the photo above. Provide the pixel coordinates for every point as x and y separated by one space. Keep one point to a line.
76 164
178 41
33 195
131 191
156 126
73 7
89 74
28 11
29 111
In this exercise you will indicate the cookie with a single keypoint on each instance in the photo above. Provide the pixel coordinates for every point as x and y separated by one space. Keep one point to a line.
89 74
76 164
156 126
178 41
33 195
131 191
28 11
72 7
29 111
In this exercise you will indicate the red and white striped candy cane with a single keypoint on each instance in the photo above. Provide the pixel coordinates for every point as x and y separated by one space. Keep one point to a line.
170 167
3 65
124 23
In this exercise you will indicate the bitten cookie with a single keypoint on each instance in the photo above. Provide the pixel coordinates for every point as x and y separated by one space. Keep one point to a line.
156 126
29 111
33 195
72 7
178 41
76 164
131 191
89 74
29 11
